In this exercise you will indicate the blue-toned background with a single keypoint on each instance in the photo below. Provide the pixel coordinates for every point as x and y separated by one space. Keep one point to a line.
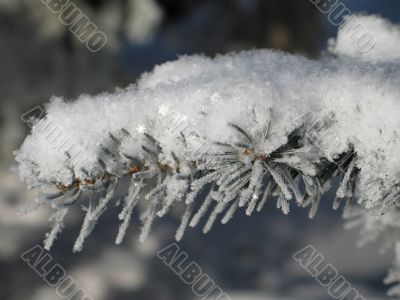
251 257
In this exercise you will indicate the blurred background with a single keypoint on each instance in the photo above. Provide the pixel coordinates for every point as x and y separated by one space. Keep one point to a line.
251 258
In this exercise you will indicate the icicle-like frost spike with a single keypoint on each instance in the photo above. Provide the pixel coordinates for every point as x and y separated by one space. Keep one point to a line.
314 201
283 204
278 178
309 184
314 208
202 211
230 212
266 194
230 173
184 222
154 198
348 207
293 186
191 196
214 214
175 191
232 180
58 218
131 200
93 213
168 202
201 182
233 190
253 190
150 215
252 205
342 191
